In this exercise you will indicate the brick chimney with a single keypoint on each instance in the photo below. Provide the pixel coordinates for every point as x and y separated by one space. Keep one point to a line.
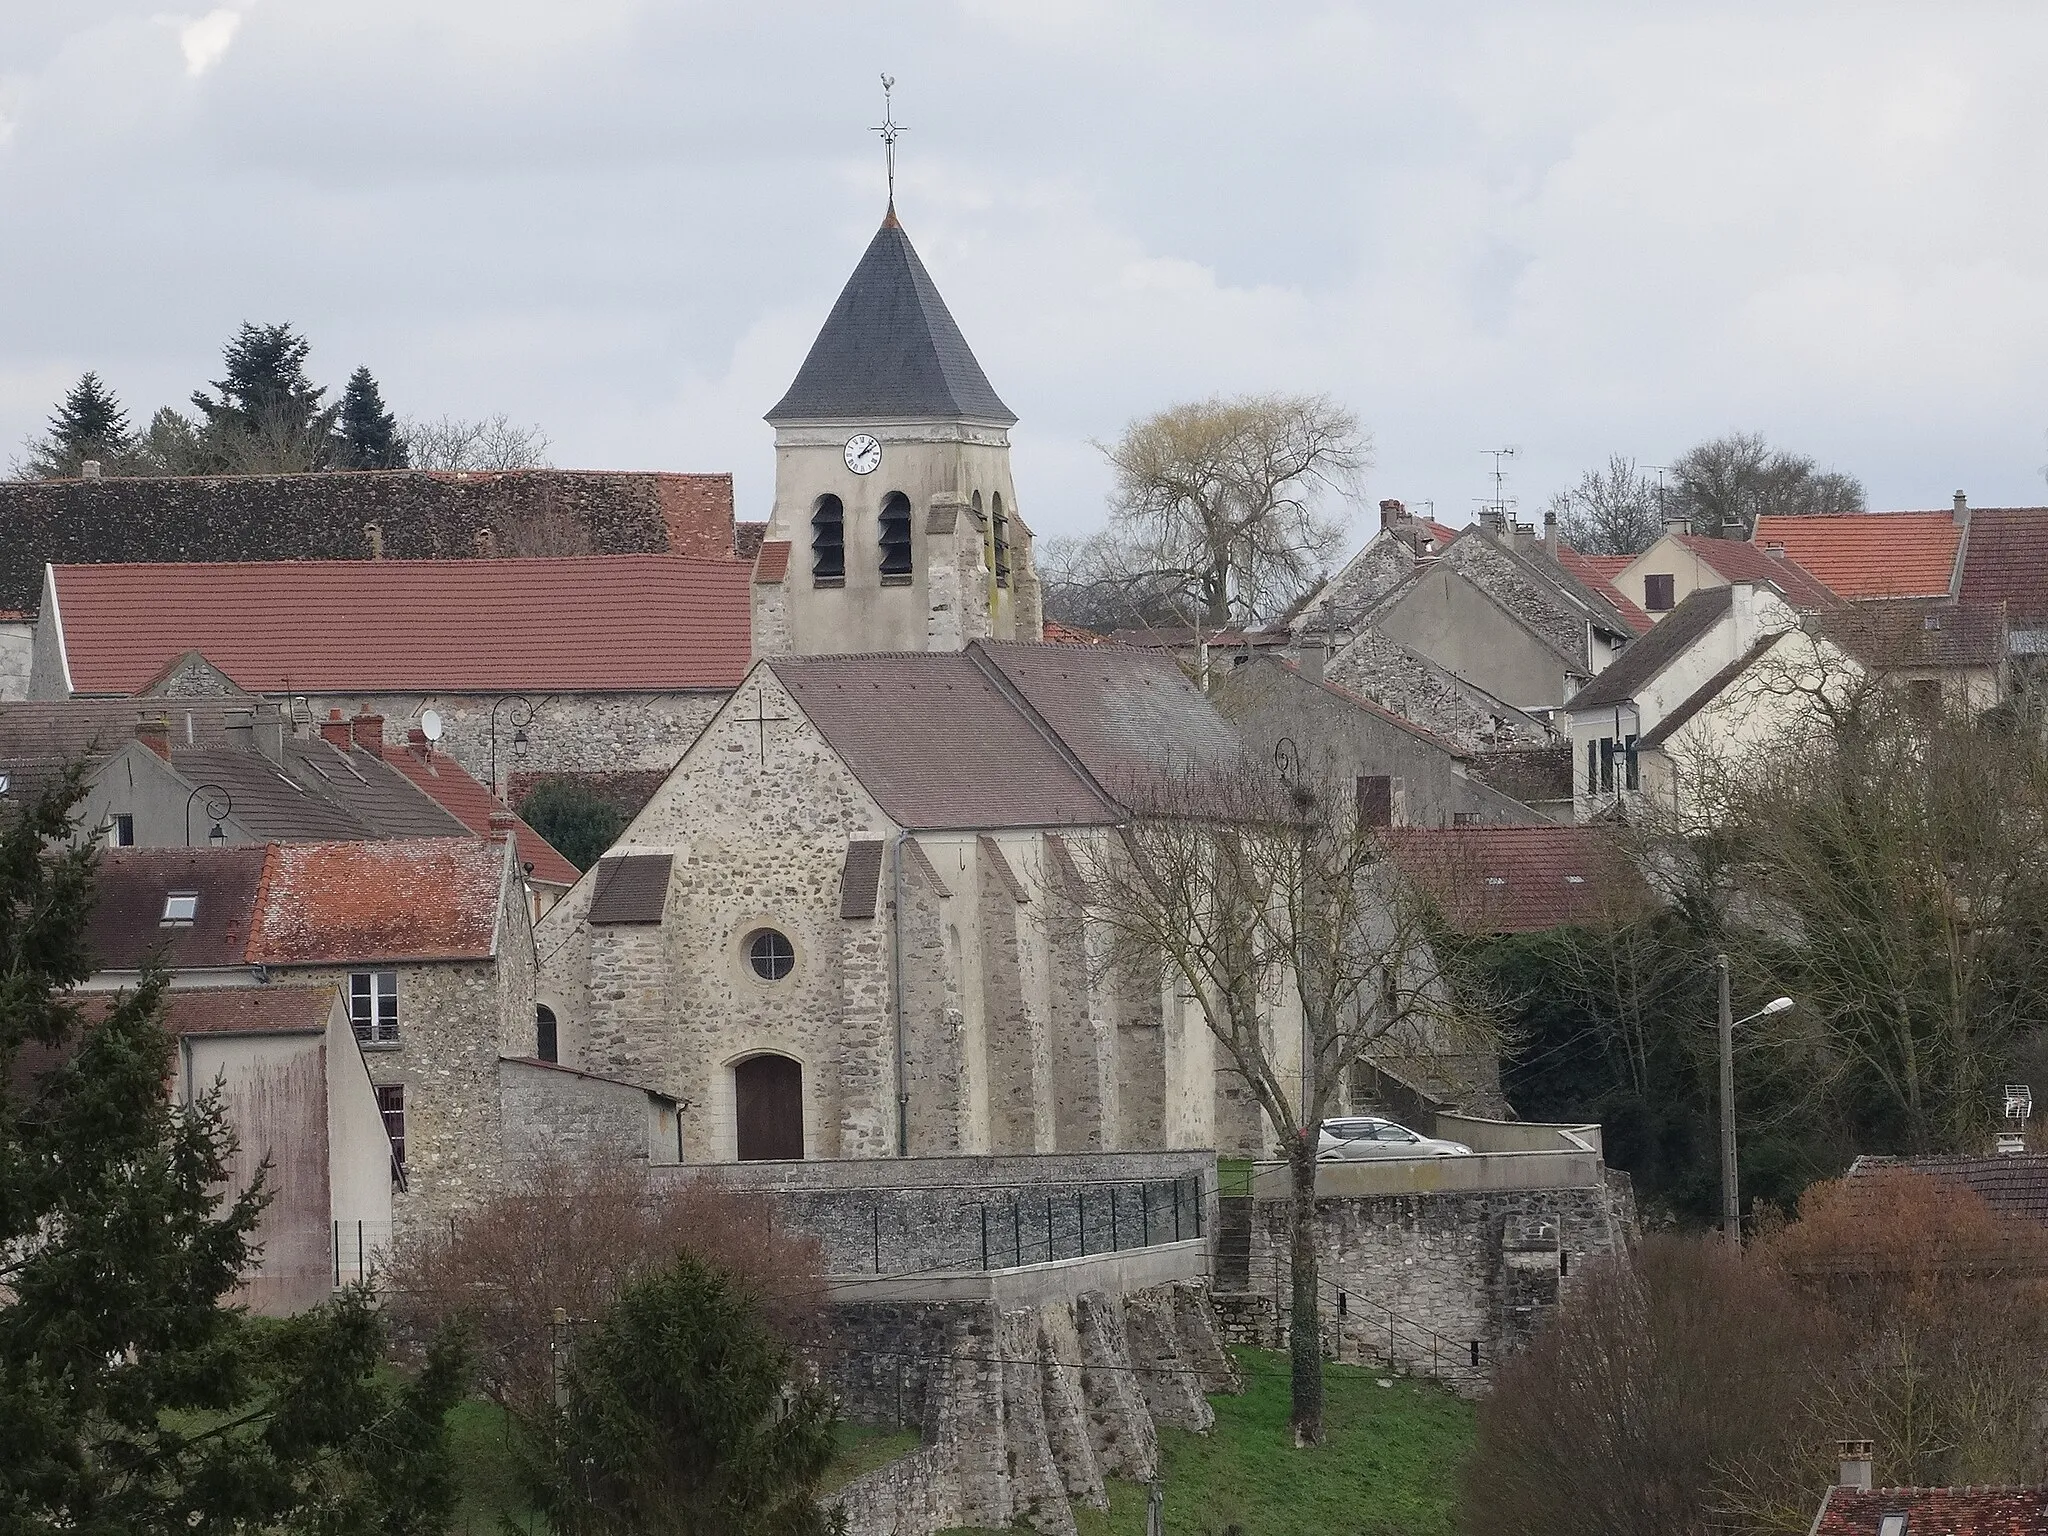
367 731
1392 512
502 823
155 735
1854 1456
335 732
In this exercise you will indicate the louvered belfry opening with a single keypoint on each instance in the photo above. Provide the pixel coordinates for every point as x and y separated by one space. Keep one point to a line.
828 542
768 1109
896 536
999 539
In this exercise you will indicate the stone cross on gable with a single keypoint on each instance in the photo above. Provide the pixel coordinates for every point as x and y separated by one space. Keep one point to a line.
760 720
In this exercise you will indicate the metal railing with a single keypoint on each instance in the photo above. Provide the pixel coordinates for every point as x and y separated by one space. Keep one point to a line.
1379 1321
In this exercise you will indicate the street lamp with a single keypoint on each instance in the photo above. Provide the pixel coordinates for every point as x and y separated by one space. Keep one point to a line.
1731 1197
521 717
218 803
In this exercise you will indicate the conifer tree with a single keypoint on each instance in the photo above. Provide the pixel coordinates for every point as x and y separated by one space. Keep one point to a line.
369 433
89 424
131 1398
268 418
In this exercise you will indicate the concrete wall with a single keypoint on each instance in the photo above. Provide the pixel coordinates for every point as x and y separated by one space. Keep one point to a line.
358 1151
1468 632
557 1113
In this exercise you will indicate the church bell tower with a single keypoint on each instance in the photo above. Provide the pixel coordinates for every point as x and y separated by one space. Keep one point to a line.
895 526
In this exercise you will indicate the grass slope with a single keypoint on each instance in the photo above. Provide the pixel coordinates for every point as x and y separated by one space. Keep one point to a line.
1389 1465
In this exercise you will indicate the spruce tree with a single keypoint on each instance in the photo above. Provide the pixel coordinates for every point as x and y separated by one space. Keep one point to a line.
131 1398
89 424
369 433
268 418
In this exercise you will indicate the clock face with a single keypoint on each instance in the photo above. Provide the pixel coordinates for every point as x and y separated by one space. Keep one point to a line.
863 454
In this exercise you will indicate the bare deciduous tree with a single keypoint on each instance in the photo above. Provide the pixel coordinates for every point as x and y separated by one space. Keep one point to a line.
1726 483
488 442
1219 504
573 1236
1274 904
1611 511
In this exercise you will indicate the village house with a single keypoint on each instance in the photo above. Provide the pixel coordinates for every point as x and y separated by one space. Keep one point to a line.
429 940
596 665
1681 563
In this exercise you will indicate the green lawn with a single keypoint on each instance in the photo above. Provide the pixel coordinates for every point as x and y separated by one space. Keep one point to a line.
1389 1466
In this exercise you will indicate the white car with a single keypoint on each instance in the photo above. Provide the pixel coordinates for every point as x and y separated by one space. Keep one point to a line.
1344 1141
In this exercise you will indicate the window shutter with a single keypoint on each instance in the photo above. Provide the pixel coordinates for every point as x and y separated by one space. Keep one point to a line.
1375 800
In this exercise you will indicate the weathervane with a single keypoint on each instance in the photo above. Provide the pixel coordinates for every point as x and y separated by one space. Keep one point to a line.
888 130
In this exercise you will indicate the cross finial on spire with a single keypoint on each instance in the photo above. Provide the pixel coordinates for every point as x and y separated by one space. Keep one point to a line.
888 130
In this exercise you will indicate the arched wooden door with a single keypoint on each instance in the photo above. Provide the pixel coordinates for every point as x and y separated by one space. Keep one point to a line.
768 1104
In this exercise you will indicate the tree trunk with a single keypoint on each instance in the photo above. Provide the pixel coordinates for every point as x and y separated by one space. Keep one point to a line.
1305 1325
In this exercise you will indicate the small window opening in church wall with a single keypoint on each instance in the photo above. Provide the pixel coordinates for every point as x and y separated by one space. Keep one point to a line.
546 1044
770 954
999 540
828 543
896 538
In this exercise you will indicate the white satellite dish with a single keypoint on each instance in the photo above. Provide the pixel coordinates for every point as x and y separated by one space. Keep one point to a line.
430 724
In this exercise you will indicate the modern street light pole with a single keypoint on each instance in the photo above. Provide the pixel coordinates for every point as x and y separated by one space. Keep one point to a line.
1731 1196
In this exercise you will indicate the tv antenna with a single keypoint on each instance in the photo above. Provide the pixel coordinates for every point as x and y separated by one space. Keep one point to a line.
1500 504
888 129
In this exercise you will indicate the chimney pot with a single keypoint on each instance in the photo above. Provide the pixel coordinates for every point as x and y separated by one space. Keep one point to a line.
1392 512
1675 524
335 732
368 732
1854 1456
89 470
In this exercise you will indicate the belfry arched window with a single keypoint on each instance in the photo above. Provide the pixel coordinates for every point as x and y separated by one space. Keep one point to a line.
999 539
828 541
895 535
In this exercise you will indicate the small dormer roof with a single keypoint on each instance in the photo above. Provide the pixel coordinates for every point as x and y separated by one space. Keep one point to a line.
890 350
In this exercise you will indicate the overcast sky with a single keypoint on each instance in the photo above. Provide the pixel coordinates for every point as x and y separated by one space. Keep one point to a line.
1574 229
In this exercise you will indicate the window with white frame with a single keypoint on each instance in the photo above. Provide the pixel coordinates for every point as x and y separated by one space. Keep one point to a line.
180 908
373 1006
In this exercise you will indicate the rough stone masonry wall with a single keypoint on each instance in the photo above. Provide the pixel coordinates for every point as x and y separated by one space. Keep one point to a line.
418 515
1023 1413
1464 1267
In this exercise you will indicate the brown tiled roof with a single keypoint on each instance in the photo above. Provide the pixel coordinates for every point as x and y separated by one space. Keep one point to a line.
1915 633
1133 719
1593 573
631 888
1056 633
1735 560
1870 554
1505 879
1667 640
746 539
1935 1511
591 624
442 778
860 878
126 925
255 1010
2006 560
771 565
938 741
360 903
2012 1186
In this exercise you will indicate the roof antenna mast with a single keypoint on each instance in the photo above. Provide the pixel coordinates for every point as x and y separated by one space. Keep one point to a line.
888 130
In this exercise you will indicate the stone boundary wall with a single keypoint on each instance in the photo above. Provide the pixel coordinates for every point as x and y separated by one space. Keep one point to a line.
416 515
1423 1277
898 1216
1025 1412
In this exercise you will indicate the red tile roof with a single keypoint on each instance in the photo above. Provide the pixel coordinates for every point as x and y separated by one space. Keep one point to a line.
1736 561
596 623
1056 633
443 779
1609 566
1441 532
772 564
2006 560
1870 554
1936 1511
1592 572
1503 879
363 903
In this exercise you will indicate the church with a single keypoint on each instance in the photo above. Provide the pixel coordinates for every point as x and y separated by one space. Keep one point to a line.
850 923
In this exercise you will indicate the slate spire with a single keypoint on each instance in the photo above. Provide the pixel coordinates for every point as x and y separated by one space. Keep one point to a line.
890 350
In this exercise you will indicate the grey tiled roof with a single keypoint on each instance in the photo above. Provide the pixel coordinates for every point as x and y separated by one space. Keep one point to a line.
890 349
1667 640
632 888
